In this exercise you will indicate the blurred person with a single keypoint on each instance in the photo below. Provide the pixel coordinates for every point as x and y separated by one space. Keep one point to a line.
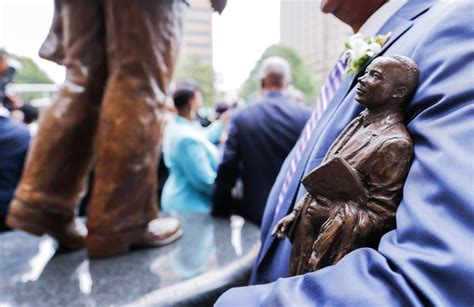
30 117
17 115
260 137
119 56
427 260
189 154
14 142
7 72
163 172
220 108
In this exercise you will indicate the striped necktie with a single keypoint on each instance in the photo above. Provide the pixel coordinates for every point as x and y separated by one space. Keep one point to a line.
333 81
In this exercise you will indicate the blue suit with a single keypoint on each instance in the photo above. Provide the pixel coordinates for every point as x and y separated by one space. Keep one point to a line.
14 141
192 160
428 259
260 138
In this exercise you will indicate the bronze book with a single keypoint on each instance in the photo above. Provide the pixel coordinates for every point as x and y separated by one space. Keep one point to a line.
335 180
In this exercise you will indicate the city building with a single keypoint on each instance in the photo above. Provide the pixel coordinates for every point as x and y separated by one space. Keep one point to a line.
319 38
197 36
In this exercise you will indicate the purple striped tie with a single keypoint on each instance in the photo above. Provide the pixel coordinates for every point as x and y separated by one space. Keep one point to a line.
327 92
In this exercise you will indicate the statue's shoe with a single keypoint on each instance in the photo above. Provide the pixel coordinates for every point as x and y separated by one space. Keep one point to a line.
69 232
160 231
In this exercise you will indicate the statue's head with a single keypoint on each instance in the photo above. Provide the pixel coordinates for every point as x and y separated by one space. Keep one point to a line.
389 81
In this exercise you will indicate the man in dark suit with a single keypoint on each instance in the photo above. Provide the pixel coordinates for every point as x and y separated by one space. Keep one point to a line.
14 140
260 138
425 260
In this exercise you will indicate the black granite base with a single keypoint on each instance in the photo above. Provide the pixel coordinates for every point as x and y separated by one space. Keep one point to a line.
211 257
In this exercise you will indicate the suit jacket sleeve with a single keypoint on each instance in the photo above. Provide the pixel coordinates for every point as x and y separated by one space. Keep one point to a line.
227 172
428 258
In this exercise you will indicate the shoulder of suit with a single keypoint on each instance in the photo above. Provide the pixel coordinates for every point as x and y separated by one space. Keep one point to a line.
11 129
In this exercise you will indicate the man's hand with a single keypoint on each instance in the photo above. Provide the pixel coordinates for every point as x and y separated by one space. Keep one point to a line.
282 227
218 5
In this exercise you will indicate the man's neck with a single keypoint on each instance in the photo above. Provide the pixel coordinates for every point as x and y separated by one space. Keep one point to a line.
269 89
382 112
356 16
186 115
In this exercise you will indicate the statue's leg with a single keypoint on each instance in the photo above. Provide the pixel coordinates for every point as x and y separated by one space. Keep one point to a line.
142 44
313 216
60 155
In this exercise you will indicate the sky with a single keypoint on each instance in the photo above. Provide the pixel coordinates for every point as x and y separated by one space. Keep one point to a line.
241 34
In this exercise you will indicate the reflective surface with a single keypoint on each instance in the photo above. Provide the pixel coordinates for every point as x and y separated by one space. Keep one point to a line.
210 256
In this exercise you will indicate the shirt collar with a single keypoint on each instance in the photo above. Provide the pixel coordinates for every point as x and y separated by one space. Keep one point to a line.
387 116
273 94
180 119
4 112
380 17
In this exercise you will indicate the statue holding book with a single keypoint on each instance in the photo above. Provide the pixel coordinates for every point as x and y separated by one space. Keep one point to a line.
354 194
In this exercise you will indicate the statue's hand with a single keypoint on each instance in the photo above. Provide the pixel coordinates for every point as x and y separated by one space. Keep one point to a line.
218 5
282 227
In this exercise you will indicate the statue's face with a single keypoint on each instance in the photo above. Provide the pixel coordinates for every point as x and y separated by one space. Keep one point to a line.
377 86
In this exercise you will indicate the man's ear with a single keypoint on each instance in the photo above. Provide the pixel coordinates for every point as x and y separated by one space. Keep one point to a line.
192 103
400 92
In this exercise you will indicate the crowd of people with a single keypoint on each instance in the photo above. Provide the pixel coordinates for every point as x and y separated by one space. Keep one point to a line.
205 161
250 161
18 124
222 164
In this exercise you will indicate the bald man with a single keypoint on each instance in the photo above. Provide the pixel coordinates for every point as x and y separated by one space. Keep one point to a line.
260 138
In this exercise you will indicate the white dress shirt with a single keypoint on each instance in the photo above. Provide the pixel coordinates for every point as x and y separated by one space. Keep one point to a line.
4 112
380 17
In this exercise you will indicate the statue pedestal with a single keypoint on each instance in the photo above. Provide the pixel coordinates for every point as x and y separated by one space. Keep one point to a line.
211 257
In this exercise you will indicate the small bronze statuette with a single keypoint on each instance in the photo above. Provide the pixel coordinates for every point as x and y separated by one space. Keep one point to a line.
354 194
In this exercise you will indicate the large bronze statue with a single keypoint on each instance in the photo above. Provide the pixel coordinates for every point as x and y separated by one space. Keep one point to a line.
120 57
353 195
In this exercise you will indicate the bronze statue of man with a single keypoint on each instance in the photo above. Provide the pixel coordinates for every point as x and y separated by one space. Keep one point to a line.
353 195
119 56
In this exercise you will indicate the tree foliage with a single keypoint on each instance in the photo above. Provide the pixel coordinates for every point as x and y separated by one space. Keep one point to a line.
300 72
30 72
200 71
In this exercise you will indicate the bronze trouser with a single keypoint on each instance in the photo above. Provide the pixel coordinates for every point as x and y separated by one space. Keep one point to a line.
313 215
128 47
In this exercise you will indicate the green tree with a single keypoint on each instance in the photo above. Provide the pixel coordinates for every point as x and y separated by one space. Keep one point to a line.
300 72
30 72
200 71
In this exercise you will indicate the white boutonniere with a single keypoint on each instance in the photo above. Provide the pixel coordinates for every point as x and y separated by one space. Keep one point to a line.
361 49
